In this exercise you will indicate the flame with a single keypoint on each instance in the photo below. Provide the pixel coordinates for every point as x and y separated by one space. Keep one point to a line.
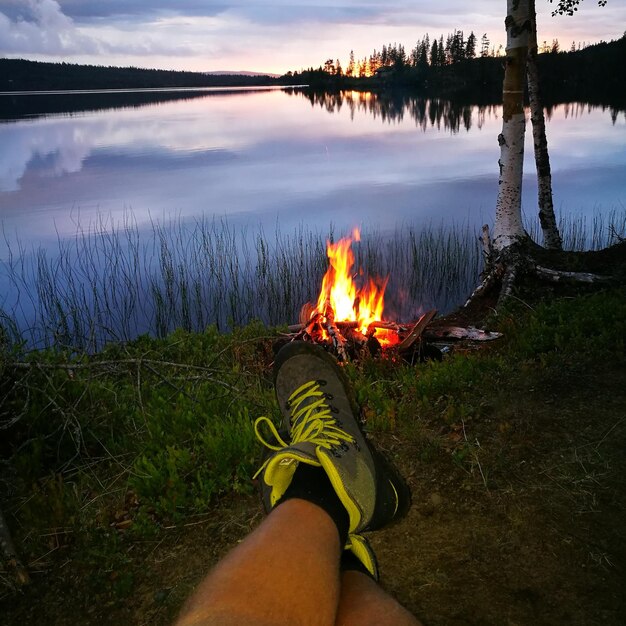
341 300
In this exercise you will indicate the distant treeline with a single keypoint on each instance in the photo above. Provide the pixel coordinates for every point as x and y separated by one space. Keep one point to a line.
596 73
22 75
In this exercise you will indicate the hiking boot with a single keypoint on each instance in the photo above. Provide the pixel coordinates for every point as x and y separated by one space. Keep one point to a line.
360 547
320 420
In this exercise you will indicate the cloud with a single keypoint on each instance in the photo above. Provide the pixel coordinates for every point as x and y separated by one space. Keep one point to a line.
41 27
272 36
146 9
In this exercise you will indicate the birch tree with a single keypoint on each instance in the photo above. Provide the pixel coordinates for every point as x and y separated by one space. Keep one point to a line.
551 237
511 253
508 227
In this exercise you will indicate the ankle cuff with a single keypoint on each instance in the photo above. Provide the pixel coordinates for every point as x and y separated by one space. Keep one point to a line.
313 485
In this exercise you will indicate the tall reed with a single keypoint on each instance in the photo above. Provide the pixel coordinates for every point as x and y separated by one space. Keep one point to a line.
115 282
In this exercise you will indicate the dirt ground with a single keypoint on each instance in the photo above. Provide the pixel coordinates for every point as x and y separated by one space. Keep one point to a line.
532 532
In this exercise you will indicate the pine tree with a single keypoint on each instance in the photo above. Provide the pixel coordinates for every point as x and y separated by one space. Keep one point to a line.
484 46
470 46
423 60
434 54
351 66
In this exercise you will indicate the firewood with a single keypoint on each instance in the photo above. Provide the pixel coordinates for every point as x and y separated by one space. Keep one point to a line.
339 343
346 324
417 330
306 313
386 326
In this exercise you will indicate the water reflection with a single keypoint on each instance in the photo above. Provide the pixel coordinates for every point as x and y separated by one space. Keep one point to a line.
439 113
25 105
393 108
263 157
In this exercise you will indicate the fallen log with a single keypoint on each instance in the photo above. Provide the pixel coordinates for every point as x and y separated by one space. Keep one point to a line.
560 276
457 333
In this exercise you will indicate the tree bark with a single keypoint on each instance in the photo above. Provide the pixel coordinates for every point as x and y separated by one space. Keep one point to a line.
508 228
551 237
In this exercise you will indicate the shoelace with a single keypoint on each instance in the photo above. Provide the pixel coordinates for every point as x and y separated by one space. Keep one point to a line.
311 421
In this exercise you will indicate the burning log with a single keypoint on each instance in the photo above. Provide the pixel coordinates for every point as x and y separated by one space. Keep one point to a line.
339 343
307 313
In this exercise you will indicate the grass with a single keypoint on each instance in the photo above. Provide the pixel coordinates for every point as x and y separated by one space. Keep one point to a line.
171 419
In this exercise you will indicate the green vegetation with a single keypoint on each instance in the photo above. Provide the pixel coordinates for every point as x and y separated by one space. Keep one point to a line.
106 451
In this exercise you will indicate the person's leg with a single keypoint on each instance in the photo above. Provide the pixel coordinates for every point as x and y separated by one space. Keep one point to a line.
364 603
321 488
285 572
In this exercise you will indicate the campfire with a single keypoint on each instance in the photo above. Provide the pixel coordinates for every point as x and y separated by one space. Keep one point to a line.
348 317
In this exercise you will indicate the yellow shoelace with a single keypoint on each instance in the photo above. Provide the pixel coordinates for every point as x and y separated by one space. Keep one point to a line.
312 422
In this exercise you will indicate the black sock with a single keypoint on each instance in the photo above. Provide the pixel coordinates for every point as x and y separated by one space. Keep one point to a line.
312 484
349 562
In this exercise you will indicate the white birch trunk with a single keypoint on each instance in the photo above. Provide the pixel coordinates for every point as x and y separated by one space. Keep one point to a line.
547 219
508 227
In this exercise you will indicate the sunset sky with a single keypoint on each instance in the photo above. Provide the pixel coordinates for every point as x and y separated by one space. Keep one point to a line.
257 35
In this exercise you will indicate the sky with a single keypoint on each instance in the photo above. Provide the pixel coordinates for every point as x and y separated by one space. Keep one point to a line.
257 35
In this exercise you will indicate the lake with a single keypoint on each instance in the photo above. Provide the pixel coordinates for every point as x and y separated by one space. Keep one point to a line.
272 161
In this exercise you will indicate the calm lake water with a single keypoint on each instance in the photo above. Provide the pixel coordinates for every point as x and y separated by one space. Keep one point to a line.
271 158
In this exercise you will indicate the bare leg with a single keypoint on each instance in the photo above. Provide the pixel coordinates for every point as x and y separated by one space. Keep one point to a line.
364 603
285 572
